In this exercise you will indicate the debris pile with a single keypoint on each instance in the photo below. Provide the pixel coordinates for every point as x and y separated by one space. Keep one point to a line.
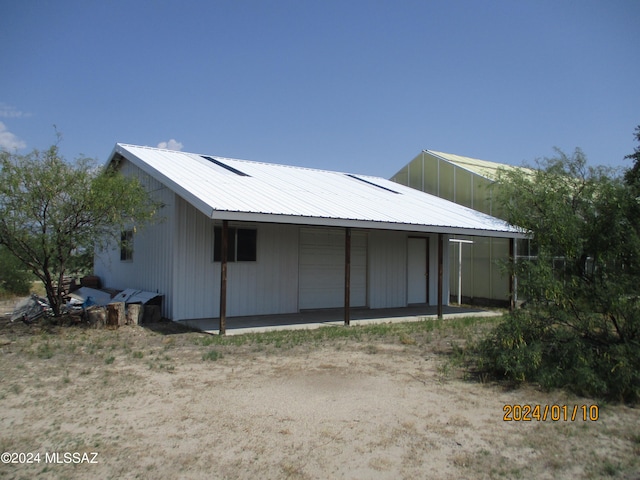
98 308
30 309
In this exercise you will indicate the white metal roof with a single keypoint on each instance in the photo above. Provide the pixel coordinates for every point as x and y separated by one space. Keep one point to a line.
231 189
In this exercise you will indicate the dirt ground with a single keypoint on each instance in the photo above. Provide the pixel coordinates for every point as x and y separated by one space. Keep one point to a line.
161 403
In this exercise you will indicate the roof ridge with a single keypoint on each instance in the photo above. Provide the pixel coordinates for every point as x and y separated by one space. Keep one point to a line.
440 154
257 162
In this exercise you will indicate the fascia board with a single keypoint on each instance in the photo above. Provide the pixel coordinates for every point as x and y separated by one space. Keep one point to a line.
194 200
361 224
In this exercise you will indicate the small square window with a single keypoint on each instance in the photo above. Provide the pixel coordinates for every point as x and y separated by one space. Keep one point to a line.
241 244
126 246
246 245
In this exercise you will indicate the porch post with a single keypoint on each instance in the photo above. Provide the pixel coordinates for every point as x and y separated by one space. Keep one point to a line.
440 274
224 248
347 276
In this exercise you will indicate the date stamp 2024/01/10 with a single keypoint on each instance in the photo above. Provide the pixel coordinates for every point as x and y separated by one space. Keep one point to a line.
555 413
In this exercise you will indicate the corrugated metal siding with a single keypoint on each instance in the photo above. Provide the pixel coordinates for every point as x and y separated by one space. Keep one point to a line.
438 175
291 194
387 269
267 286
432 242
196 283
322 265
152 265
468 181
417 263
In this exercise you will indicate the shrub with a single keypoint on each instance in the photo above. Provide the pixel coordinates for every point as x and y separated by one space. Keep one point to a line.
529 347
581 325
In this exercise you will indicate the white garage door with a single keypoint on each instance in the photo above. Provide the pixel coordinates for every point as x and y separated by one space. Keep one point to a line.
321 269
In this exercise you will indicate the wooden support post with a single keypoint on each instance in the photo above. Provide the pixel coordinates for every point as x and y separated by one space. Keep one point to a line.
440 273
347 276
224 249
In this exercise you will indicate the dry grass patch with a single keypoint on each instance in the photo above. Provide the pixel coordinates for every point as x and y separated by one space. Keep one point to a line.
388 401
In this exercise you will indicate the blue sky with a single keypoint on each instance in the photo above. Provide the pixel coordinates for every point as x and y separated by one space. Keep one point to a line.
360 86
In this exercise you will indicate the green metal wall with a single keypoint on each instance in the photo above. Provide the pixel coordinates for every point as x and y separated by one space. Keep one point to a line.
483 274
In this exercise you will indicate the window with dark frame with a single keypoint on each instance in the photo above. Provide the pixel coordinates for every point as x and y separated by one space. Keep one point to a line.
126 246
246 245
242 244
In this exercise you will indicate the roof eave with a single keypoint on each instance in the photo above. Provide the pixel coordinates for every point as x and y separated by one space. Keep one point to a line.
361 224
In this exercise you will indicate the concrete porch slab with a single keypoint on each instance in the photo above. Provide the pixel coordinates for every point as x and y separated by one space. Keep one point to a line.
331 317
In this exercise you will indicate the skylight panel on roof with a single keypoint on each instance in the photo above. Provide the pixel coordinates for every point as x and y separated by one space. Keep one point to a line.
372 184
225 166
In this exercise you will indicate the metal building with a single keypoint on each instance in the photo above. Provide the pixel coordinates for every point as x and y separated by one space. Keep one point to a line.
469 182
247 238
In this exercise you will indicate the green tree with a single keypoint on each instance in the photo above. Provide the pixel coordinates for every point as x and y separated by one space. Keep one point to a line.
52 211
580 327
632 175
14 279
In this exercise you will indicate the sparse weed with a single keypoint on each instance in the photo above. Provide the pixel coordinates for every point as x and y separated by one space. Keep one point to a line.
407 339
444 370
372 349
204 340
211 355
610 468
44 350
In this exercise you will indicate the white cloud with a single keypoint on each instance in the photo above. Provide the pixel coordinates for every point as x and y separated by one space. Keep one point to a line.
7 111
8 141
171 145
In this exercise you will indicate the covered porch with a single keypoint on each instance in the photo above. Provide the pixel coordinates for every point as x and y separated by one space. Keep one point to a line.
312 319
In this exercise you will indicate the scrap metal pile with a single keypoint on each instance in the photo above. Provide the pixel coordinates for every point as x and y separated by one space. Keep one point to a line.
95 307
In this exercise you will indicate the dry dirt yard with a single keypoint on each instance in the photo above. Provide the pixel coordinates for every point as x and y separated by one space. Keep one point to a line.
385 403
